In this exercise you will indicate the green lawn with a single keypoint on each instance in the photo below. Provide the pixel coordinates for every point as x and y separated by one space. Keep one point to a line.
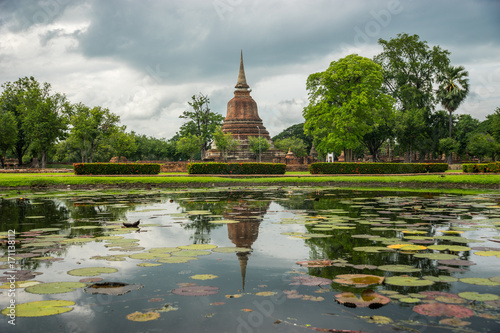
32 179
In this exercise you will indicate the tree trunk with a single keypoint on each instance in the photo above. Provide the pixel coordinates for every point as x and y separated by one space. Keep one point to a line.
44 159
451 119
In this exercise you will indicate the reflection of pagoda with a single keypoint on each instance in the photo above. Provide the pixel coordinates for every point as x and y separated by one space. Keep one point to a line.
243 121
245 233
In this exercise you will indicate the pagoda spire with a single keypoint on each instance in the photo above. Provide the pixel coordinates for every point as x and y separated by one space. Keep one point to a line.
242 81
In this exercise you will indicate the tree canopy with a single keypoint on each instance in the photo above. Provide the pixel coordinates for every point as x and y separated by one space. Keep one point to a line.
345 102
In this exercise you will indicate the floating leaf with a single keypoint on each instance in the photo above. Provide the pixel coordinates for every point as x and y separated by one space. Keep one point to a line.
407 281
407 247
139 316
455 322
19 284
204 277
315 263
480 281
488 253
231 249
436 256
474 296
377 319
399 268
410 300
442 309
176 260
372 249
54 287
198 247
148 264
456 262
191 253
195 291
453 299
310 281
368 298
112 288
92 271
41 308
224 221
359 280
453 248
265 293
199 212
440 278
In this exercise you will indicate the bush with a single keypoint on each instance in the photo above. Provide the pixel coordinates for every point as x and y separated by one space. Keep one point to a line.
375 168
481 167
236 168
116 169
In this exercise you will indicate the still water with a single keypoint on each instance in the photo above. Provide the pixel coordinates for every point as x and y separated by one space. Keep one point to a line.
260 260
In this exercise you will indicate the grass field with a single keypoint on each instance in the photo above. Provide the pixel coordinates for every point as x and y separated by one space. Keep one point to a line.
8 180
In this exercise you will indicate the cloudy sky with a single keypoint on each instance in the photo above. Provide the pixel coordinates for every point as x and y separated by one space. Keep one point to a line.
144 59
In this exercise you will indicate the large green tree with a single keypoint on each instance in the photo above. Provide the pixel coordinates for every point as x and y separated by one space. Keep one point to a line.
410 69
90 128
44 118
14 96
189 145
258 145
464 128
453 89
295 131
345 102
8 133
202 121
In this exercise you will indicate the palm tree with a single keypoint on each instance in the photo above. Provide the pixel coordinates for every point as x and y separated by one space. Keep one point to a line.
453 88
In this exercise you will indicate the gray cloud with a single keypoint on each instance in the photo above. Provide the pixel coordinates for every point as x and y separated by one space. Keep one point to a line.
144 59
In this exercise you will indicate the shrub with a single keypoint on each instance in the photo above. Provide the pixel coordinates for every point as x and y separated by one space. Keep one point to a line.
116 169
481 167
375 168
236 168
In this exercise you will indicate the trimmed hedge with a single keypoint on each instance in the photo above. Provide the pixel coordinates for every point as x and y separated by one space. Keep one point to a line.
236 168
481 167
116 169
375 168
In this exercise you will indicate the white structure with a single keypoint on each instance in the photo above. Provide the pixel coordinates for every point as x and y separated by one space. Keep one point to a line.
330 156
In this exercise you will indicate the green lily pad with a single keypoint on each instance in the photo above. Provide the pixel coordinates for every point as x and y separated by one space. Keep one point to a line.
440 278
148 264
176 260
203 277
359 280
231 249
399 268
436 256
198 247
54 287
488 253
453 248
372 249
474 296
149 255
407 281
191 253
480 281
410 300
139 316
41 308
92 271
164 249
199 212
224 221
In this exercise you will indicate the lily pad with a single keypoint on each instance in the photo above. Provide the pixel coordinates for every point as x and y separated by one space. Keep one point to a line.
310 281
455 322
474 296
195 291
139 316
452 248
436 256
231 249
368 298
198 247
407 281
407 247
456 262
112 288
372 249
488 253
377 319
203 277
359 280
480 281
315 263
224 221
399 268
440 278
176 260
92 271
54 287
442 309
191 253
41 308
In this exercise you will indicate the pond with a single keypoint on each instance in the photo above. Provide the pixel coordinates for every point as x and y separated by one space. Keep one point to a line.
250 260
